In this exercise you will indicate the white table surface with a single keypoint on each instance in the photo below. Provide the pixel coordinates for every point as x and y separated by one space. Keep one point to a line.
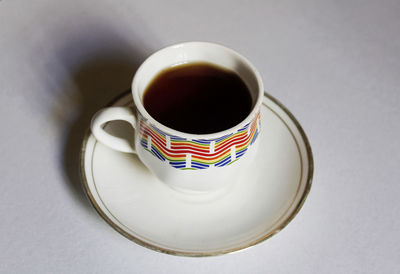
334 64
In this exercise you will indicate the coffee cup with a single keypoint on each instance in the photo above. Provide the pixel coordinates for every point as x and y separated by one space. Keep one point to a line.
188 161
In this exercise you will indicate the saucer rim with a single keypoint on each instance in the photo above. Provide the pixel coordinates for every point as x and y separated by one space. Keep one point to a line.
143 243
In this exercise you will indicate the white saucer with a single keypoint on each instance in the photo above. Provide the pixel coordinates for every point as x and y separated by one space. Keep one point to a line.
256 206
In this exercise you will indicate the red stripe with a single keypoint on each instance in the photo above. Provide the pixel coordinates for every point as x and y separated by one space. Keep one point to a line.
229 138
211 158
156 137
243 139
189 146
166 152
183 144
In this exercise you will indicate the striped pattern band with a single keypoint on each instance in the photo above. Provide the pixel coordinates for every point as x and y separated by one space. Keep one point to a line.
183 153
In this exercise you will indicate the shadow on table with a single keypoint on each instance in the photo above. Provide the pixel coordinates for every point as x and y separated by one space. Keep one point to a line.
98 74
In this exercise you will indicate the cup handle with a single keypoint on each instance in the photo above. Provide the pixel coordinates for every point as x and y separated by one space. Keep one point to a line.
111 114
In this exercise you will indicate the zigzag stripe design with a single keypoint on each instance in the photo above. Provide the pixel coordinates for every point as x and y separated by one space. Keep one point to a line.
203 153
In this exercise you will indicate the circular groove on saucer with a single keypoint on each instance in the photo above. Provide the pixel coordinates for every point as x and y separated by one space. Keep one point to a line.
128 233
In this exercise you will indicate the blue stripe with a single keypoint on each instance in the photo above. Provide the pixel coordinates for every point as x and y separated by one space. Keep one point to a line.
222 138
159 131
244 128
202 141
159 156
178 163
199 164
177 138
254 138
198 167
143 143
224 162
178 166
239 154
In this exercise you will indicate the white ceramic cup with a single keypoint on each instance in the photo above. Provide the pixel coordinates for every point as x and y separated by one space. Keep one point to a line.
189 162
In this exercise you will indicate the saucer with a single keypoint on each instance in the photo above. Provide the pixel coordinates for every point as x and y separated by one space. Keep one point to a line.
258 204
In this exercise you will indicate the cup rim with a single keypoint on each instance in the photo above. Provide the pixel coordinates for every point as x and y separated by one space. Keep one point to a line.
139 104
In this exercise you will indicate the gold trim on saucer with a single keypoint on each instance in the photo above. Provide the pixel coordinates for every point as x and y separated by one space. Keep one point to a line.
211 253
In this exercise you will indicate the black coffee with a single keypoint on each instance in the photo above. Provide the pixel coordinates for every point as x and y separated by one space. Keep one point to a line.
198 98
